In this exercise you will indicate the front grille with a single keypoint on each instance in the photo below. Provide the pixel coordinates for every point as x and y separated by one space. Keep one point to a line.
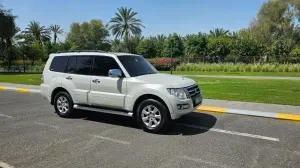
194 92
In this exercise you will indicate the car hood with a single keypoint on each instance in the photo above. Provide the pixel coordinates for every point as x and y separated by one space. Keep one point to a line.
172 81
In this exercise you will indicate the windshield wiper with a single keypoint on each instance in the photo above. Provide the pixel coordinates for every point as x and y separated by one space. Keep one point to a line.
146 73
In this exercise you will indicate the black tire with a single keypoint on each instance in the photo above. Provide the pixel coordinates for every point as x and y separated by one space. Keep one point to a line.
164 113
70 110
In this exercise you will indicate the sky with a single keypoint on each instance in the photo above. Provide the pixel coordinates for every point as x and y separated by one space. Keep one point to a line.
158 16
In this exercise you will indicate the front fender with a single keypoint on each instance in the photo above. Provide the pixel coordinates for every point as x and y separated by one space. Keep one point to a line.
130 99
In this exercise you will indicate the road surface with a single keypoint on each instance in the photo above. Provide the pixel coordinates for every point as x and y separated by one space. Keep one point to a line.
33 136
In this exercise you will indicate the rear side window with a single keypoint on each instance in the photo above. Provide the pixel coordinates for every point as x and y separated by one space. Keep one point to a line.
103 64
79 65
71 68
59 64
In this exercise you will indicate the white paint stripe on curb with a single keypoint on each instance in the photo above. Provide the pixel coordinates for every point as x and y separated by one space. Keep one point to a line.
5 165
25 90
278 115
252 113
34 90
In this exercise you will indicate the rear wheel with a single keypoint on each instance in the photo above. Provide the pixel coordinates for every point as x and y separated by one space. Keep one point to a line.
153 116
63 104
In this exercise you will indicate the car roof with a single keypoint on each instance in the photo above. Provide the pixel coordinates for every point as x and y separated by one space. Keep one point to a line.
91 52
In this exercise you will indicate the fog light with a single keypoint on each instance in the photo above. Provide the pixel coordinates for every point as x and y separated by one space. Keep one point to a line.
183 106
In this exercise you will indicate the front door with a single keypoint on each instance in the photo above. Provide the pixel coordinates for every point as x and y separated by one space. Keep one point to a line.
106 91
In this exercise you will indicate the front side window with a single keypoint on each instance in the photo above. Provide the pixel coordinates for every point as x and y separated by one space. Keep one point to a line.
103 64
137 65
59 64
83 65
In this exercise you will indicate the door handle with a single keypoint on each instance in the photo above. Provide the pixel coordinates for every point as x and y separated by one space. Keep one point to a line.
69 78
96 81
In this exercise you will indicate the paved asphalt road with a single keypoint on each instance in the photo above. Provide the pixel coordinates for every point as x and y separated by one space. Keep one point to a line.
33 136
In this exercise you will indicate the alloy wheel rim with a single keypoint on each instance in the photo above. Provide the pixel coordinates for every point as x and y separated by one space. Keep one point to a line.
151 116
62 104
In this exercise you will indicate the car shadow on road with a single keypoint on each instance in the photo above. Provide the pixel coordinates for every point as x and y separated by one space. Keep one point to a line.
191 124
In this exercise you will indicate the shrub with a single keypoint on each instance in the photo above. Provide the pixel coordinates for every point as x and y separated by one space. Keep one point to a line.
239 67
164 63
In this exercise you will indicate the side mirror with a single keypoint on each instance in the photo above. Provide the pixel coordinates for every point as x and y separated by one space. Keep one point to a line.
114 73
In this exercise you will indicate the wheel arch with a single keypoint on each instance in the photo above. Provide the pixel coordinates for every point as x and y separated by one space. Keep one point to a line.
150 96
57 90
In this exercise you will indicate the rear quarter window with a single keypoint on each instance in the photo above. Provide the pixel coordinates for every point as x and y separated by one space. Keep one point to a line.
59 64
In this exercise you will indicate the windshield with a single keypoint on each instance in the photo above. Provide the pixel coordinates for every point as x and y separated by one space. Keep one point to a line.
137 65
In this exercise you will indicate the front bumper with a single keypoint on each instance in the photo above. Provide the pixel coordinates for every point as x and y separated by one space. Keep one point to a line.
177 113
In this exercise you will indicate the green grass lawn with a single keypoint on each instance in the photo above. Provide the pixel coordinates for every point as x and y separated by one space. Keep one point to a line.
30 79
250 90
290 74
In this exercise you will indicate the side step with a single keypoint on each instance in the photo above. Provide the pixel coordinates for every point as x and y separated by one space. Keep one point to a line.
102 110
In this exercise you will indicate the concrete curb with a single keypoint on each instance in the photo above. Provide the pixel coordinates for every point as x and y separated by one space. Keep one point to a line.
21 90
284 116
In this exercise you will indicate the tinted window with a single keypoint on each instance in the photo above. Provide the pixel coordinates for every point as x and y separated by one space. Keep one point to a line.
103 64
137 65
71 68
59 64
83 65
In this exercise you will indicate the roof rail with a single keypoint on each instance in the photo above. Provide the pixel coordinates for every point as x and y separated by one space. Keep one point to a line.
100 51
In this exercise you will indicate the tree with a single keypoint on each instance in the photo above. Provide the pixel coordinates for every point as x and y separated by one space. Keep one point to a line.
246 50
296 5
8 30
196 45
124 24
219 48
40 33
132 43
174 45
276 27
147 48
118 46
89 35
56 30
159 42
218 32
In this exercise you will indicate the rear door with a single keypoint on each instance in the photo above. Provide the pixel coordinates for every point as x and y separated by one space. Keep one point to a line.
77 78
106 91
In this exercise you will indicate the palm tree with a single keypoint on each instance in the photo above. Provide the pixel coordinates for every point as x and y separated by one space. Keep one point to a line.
233 34
125 23
40 33
161 38
8 30
219 32
56 30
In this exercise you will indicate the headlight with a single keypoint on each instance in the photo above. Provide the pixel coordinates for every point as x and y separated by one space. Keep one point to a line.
179 93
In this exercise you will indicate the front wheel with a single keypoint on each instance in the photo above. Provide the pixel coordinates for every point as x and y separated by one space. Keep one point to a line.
153 116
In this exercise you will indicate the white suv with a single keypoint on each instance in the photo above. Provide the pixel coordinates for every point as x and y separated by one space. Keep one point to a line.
117 83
